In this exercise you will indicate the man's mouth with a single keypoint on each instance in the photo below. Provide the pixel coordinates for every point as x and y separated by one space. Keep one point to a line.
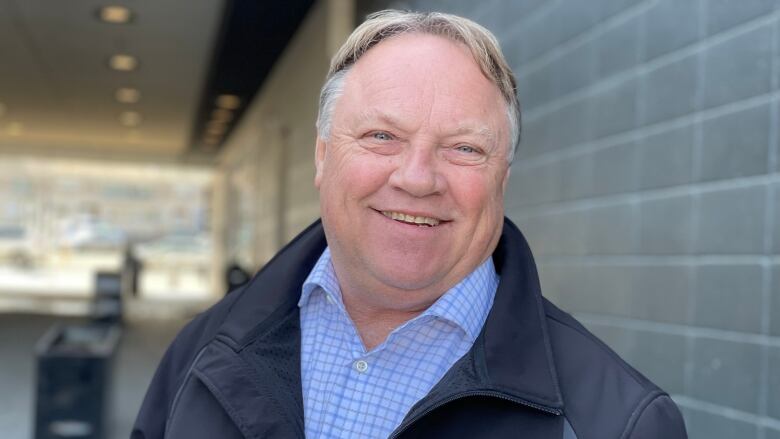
422 221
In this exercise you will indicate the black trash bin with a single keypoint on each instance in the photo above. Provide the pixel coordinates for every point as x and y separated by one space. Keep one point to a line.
74 375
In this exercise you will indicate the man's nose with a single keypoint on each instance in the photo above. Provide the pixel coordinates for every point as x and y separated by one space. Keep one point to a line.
417 172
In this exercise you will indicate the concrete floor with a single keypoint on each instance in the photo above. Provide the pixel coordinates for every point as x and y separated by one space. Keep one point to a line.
143 344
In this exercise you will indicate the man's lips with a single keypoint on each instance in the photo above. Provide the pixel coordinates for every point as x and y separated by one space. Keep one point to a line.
409 218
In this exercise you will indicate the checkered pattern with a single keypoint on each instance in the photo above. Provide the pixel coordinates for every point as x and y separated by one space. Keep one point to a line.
345 399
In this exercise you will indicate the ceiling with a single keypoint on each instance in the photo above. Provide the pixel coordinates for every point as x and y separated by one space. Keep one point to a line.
58 93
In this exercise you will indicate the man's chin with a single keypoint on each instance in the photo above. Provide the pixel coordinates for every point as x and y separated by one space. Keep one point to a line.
409 278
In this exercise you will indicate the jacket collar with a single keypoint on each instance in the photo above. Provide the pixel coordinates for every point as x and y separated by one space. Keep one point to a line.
515 345
512 354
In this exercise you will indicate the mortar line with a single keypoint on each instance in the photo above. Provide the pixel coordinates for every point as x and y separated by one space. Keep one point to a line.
678 329
726 412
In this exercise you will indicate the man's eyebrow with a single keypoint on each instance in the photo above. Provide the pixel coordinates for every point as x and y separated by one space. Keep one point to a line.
481 131
462 129
374 115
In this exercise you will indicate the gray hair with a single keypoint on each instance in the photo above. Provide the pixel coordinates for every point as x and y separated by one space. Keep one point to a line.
382 25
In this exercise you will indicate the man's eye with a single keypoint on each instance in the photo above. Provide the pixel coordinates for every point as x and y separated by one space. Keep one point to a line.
381 135
466 148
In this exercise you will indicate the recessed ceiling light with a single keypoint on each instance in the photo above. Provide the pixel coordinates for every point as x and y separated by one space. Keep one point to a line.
115 14
127 95
228 102
215 130
222 115
15 129
123 63
130 118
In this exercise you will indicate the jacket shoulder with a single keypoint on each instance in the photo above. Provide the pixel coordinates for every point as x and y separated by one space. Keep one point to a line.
604 397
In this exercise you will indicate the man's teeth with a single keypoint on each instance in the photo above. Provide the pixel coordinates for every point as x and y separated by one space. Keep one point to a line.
419 220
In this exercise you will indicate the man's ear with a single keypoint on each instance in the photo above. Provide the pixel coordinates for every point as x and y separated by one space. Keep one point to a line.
319 161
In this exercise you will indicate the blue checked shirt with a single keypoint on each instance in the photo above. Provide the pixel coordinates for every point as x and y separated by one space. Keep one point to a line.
349 392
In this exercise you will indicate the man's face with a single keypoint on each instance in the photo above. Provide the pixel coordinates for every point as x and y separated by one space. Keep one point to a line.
412 177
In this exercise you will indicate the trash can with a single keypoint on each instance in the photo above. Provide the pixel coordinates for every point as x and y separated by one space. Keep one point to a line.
107 305
74 375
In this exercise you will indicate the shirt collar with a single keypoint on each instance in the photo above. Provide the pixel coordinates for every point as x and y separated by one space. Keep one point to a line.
466 304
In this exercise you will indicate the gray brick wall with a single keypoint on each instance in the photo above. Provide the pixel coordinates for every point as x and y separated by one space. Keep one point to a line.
648 183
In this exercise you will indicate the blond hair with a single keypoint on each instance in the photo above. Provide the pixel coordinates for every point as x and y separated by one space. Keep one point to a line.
385 24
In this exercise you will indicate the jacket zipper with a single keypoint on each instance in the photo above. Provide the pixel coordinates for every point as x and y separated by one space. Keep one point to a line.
467 394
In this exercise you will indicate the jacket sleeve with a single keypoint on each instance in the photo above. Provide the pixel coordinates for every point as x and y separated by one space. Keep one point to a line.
150 423
659 419
174 367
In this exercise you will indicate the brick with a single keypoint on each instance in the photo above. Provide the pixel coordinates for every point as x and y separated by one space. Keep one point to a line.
773 408
512 47
612 230
617 49
666 225
536 88
729 297
603 289
732 221
576 177
724 14
459 7
670 25
771 433
736 144
540 184
670 91
564 283
612 7
661 358
726 373
532 230
547 233
537 137
666 158
574 123
707 425
615 169
619 339
776 221
662 293
550 289
534 39
738 68
574 240
503 16
615 109
774 298
574 69
571 19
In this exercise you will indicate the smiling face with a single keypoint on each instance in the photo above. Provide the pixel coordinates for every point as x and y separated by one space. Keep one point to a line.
413 173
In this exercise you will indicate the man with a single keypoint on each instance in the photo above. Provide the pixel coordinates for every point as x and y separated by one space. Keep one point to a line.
413 309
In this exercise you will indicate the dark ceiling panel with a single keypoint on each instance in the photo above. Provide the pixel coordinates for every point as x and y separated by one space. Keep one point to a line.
253 36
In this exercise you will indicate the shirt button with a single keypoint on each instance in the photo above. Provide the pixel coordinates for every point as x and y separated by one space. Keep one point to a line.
361 366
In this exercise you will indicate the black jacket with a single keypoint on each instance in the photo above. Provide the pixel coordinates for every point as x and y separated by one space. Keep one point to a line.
533 372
